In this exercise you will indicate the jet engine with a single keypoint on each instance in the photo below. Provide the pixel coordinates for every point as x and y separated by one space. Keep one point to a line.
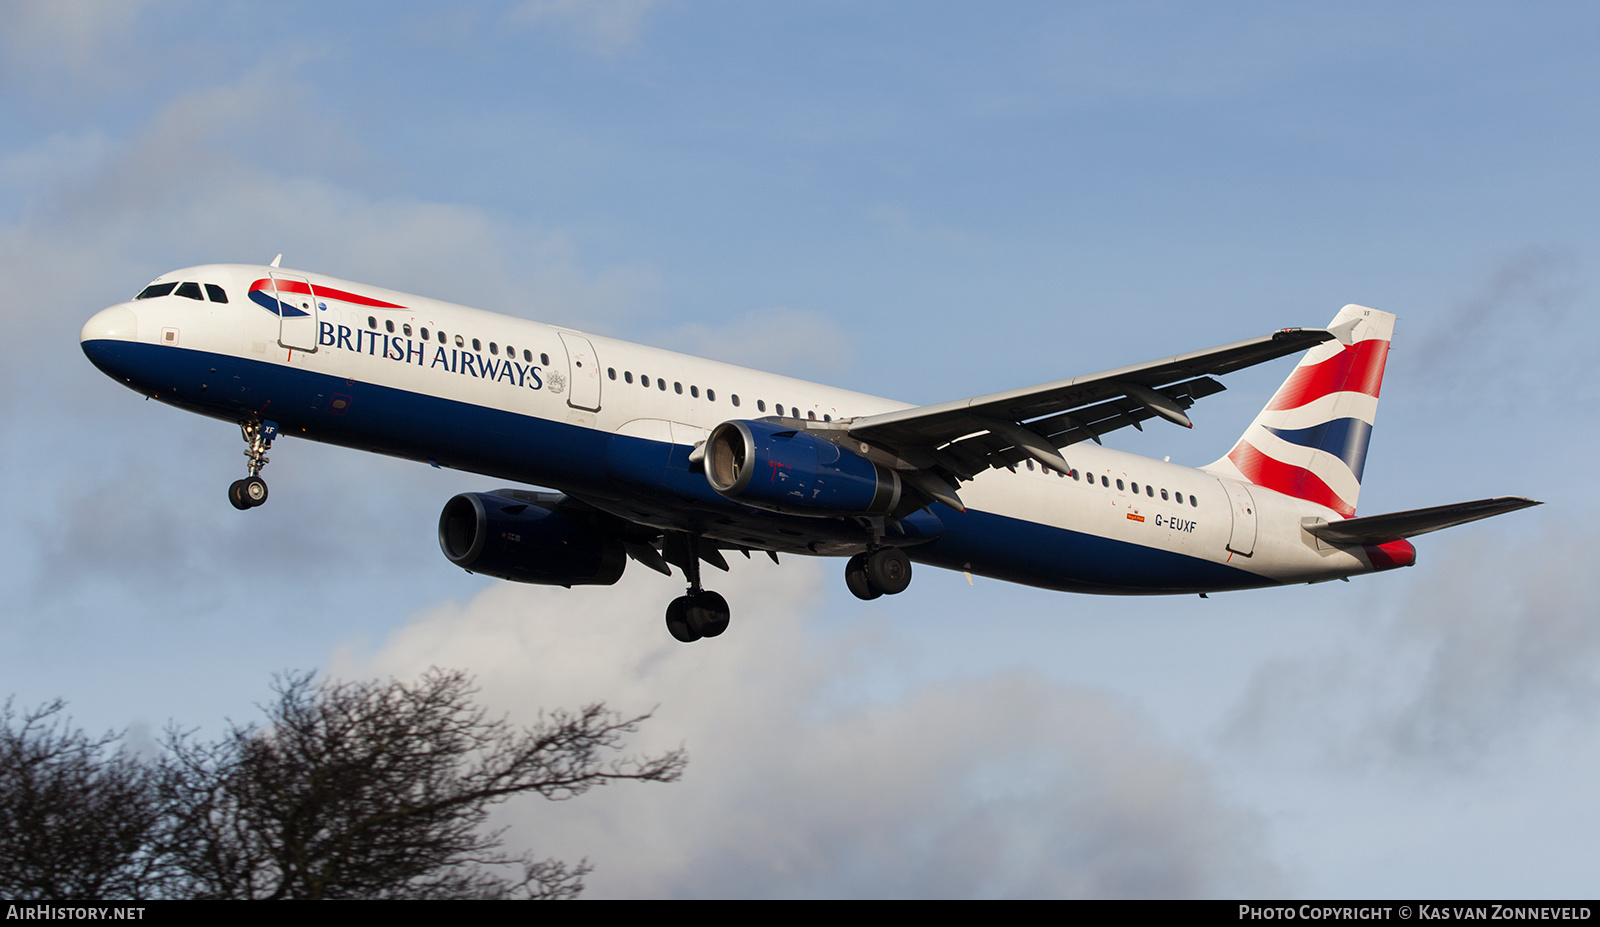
527 542
768 466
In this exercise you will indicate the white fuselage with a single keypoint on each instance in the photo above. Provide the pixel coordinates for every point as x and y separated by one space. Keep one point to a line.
353 371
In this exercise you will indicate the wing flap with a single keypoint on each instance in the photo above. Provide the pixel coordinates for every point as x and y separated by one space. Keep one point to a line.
936 425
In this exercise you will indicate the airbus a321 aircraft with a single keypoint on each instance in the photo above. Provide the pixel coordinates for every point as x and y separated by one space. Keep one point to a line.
668 459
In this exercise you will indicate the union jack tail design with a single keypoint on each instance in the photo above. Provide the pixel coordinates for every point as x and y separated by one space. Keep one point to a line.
1310 442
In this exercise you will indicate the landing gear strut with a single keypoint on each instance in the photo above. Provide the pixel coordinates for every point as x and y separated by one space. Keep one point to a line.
699 612
252 490
885 571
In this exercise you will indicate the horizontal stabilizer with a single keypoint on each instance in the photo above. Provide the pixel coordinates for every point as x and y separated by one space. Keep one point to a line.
1381 529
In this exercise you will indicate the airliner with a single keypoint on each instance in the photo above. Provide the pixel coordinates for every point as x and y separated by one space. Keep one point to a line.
669 460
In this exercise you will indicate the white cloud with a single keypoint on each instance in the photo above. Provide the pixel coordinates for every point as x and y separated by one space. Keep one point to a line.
1495 645
800 342
53 44
183 188
1494 345
606 26
1005 785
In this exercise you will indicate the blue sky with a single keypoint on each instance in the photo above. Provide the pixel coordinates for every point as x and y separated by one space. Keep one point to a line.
925 201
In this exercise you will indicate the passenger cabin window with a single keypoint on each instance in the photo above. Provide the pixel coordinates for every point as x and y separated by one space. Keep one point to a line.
388 325
627 376
372 322
662 385
155 289
733 399
694 391
406 329
711 395
459 342
544 359
644 381
611 372
424 334
494 348
189 290
477 345
217 294
761 405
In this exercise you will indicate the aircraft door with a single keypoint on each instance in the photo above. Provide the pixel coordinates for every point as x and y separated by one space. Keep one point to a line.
583 372
1243 539
297 312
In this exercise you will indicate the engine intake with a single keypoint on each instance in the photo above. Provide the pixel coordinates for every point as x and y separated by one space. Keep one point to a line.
786 470
526 542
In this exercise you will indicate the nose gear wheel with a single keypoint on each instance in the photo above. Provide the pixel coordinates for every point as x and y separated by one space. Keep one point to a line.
252 490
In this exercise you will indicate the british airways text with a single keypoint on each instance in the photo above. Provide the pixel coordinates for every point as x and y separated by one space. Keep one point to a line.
406 351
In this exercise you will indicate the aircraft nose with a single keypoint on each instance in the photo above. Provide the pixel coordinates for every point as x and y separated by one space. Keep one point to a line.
118 323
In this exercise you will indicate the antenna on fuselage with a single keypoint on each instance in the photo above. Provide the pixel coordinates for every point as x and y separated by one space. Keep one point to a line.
275 261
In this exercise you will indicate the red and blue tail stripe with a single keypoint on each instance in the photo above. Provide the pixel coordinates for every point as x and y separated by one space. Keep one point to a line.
1358 368
1344 438
1310 442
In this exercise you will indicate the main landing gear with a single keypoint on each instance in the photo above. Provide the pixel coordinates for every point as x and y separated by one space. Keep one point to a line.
699 612
252 490
885 571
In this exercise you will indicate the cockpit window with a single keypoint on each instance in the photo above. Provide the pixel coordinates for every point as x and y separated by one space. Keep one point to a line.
189 290
217 294
155 289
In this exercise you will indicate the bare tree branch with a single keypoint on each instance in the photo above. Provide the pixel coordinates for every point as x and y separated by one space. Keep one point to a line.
380 790
350 790
77 817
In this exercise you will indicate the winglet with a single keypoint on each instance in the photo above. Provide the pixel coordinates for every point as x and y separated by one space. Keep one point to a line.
276 261
1346 331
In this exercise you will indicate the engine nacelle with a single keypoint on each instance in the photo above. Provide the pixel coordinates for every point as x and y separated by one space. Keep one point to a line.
527 543
786 470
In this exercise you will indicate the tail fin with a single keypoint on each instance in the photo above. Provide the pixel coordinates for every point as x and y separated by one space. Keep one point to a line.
1310 442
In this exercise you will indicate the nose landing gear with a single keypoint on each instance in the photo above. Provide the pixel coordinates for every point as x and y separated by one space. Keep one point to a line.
252 490
247 493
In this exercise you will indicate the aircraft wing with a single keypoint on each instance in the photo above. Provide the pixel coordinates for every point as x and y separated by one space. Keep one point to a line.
1381 529
963 438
